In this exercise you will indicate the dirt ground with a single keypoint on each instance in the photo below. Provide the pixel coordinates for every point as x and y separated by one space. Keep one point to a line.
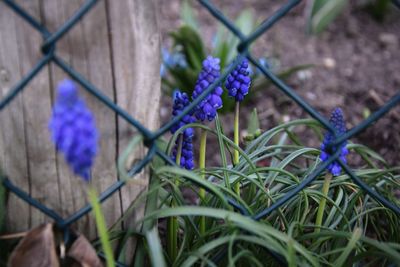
357 65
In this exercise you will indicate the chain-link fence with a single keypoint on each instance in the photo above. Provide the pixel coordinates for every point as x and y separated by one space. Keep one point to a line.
49 55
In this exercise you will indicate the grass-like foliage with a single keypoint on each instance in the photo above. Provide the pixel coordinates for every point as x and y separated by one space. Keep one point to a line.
324 12
355 228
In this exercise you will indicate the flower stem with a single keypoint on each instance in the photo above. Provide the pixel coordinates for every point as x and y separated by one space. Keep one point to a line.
322 202
173 221
202 165
101 227
236 140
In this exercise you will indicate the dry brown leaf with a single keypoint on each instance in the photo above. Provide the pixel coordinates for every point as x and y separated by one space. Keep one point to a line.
83 253
36 249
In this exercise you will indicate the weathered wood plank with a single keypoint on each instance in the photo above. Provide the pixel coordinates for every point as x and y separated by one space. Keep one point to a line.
136 56
136 61
12 134
37 109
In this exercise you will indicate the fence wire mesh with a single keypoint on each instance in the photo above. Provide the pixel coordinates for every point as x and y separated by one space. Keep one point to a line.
48 48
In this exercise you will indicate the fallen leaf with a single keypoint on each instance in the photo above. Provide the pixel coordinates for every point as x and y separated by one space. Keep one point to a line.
36 249
83 253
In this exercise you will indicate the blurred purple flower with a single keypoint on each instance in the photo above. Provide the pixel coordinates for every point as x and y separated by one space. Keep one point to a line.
73 129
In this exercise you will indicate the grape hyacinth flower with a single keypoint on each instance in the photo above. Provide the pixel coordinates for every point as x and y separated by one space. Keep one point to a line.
208 106
181 100
73 129
238 81
337 120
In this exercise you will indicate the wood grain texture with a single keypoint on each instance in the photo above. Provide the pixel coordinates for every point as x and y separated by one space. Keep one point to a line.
37 109
12 134
116 47
136 52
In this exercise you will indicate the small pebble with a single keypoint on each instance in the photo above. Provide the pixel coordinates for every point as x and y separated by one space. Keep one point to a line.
304 75
311 96
286 118
329 63
388 39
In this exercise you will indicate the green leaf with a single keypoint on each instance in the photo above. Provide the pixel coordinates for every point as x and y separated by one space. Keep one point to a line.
123 158
254 123
184 79
222 149
317 5
191 44
324 12
245 23
366 153
273 239
155 248
194 57
101 227
188 16
222 52
151 205
220 45
162 145
385 247
378 9
191 176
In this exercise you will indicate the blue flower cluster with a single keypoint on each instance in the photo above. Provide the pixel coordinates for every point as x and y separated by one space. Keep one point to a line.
73 129
238 81
181 100
208 106
337 120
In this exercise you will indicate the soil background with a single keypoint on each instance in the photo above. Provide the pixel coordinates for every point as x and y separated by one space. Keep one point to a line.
357 66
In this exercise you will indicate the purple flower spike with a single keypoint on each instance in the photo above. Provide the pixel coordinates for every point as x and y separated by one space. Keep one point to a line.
238 81
337 120
73 129
207 109
181 100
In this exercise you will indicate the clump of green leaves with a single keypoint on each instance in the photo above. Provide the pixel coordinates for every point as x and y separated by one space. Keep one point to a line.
355 230
182 65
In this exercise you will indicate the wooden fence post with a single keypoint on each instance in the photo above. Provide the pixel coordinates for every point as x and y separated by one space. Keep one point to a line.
116 46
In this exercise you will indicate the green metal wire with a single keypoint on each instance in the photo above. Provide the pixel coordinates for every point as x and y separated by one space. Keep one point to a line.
49 50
